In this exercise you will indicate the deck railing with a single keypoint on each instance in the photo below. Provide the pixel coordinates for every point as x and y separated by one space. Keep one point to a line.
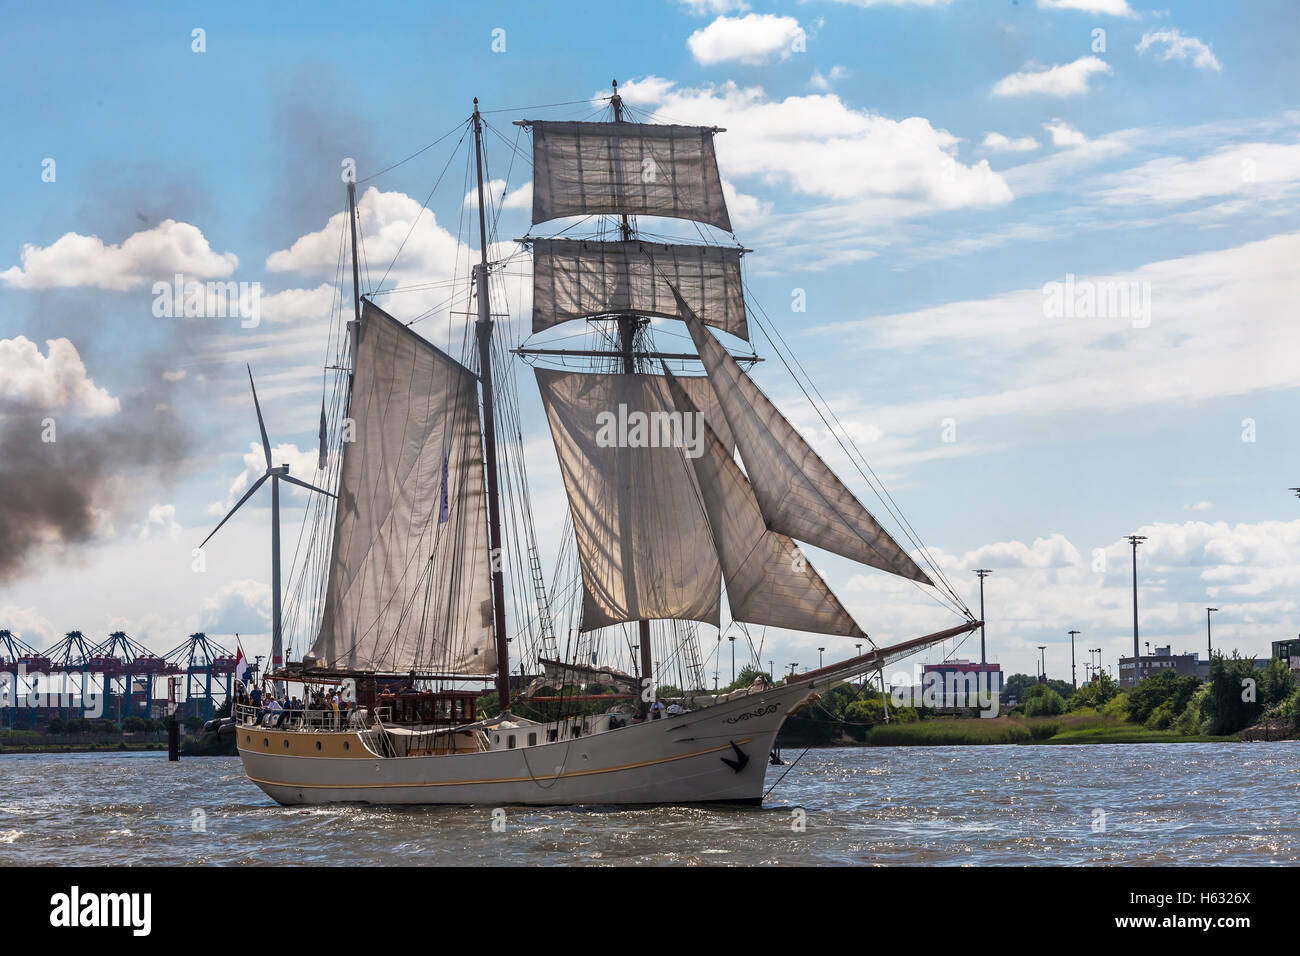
246 715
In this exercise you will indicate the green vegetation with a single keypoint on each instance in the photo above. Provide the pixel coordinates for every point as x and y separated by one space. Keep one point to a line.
1042 700
1095 695
1164 708
1238 695
1081 727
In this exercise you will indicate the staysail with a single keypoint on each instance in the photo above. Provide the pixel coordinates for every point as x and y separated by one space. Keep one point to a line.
769 581
575 279
408 585
643 538
798 493
633 169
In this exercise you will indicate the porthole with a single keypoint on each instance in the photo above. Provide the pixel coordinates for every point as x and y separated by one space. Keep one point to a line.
248 739
510 742
345 745
532 740
317 744
286 743
265 742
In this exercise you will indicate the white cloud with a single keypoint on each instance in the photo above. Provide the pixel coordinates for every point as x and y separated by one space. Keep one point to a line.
173 375
745 210
399 231
895 3
26 624
821 146
1063 134
1069 79
297 305
701 8
1054 551
1242 168
302 465
154 254
1199 506
1048 365
751 39
998 143
1173 45
240 606
824 81
1114 8
56 380
161 520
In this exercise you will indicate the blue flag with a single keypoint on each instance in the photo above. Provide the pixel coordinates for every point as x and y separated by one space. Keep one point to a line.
444 511
324 432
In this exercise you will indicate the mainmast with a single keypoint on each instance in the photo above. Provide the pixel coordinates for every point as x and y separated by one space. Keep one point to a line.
483 328
627 329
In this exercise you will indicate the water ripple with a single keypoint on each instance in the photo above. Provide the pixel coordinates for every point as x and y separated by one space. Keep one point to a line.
1096 804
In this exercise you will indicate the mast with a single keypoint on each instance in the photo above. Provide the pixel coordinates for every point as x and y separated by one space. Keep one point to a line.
627 327
483 328
354 327
356 278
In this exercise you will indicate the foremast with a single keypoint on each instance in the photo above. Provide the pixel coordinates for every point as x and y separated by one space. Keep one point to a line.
628 325
483 330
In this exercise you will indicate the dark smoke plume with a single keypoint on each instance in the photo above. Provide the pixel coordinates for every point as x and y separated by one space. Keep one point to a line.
51 492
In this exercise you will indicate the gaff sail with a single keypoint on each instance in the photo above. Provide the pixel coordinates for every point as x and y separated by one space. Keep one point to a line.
405 590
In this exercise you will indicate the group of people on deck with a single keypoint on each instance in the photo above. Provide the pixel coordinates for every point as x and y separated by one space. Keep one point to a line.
328 706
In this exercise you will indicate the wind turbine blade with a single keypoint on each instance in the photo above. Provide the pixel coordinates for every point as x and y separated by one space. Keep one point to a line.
247 494
303 484
266 444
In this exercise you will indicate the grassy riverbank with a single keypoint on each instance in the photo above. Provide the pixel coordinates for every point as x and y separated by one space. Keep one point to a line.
1065 729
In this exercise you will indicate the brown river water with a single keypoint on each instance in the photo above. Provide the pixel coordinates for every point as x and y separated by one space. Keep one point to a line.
1185 804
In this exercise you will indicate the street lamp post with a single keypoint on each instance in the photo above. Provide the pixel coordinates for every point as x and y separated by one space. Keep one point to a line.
1074 678
820 652
983 573
1135 539
1042 662
1209 643
732 638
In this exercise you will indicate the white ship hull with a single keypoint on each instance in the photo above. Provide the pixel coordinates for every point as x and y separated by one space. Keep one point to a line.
716 754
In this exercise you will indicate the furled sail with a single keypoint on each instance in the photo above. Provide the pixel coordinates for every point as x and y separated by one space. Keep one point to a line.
408 585
769 581
574 279
798 493
643 538
582 169
557 674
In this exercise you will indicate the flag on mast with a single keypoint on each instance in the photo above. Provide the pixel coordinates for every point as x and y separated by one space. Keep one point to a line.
320 465
241 665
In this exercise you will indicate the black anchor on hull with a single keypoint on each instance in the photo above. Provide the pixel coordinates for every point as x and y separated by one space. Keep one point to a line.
741 760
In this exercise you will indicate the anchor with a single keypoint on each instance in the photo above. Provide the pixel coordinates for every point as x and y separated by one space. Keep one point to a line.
741 760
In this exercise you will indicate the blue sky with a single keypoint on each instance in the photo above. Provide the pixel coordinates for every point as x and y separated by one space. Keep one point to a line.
920 170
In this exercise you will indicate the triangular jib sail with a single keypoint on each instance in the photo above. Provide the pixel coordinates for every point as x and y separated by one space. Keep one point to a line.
798 493
769 581
408 591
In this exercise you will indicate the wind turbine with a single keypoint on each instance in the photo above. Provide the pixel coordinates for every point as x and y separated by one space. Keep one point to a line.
277 474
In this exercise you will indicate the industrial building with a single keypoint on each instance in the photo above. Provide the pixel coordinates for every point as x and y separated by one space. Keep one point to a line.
70 679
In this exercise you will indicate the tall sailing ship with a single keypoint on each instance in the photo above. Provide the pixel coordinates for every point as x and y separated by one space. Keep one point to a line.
425 452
